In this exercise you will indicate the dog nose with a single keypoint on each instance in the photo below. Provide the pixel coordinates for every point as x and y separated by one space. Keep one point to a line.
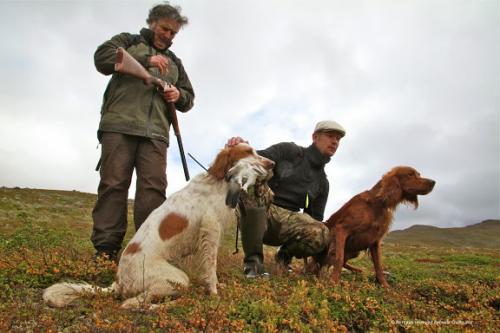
432 182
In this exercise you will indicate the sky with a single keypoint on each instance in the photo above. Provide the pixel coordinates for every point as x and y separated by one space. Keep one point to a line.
413 82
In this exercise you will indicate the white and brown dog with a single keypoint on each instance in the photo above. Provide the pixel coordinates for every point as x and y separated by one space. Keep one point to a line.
189 222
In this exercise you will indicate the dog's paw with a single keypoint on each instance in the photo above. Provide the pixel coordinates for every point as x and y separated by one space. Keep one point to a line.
212 288
212 291
382 282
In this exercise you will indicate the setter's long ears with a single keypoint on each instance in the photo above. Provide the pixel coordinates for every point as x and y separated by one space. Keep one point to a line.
390 191
221 164
227 158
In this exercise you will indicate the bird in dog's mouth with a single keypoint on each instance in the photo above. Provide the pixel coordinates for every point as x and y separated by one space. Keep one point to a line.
245 174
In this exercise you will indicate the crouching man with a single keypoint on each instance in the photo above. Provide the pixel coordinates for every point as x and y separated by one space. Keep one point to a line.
292 219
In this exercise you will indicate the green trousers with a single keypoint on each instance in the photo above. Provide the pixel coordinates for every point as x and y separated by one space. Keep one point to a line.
120 155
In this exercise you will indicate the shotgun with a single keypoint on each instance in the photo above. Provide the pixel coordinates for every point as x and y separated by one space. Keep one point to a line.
126 64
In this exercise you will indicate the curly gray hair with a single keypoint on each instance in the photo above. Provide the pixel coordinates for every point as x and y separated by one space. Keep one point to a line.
168 11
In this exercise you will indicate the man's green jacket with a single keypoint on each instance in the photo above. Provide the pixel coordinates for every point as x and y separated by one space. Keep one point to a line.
131 107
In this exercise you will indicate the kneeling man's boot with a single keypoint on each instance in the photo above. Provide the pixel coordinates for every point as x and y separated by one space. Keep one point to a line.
253 223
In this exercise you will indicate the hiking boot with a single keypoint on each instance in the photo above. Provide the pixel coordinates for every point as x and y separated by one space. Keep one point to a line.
105 255
252 271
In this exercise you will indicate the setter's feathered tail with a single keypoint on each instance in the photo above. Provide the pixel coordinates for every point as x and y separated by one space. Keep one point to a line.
63 294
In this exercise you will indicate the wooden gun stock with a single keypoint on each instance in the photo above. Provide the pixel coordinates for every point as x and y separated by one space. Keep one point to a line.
126 64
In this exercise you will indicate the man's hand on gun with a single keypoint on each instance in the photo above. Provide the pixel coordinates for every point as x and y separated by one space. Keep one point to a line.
170 93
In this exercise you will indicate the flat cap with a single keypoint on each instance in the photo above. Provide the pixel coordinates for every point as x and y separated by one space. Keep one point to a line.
329 125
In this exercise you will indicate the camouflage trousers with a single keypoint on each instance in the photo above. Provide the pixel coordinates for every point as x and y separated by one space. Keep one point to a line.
301 234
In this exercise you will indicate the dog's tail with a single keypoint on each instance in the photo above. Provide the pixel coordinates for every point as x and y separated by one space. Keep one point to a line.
63 294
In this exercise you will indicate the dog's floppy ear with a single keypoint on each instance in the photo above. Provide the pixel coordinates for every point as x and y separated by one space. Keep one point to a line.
390 191
221 164
227 158
233 193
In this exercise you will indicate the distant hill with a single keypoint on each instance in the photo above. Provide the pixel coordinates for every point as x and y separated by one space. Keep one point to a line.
485 234
73 209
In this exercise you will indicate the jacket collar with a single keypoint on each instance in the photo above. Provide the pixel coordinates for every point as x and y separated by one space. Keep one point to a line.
315 157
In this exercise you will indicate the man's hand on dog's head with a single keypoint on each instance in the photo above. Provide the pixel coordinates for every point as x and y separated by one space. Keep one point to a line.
234 141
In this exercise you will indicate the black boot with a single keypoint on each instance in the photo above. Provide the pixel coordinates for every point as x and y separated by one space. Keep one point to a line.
253 223
105 254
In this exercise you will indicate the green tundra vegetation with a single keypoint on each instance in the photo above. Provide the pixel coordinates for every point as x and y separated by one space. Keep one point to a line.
448 283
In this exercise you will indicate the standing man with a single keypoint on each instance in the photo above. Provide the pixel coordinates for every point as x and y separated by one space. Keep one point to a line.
134 126
299 183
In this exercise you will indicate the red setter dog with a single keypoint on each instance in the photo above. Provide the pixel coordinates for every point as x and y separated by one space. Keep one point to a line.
365 219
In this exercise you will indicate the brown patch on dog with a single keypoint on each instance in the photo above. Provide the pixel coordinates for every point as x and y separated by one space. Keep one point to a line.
227 158
172 225
132 248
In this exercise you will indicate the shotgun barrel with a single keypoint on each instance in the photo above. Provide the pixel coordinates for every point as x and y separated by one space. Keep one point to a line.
175 123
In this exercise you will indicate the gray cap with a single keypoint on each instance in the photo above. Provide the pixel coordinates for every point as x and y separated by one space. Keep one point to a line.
329 125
